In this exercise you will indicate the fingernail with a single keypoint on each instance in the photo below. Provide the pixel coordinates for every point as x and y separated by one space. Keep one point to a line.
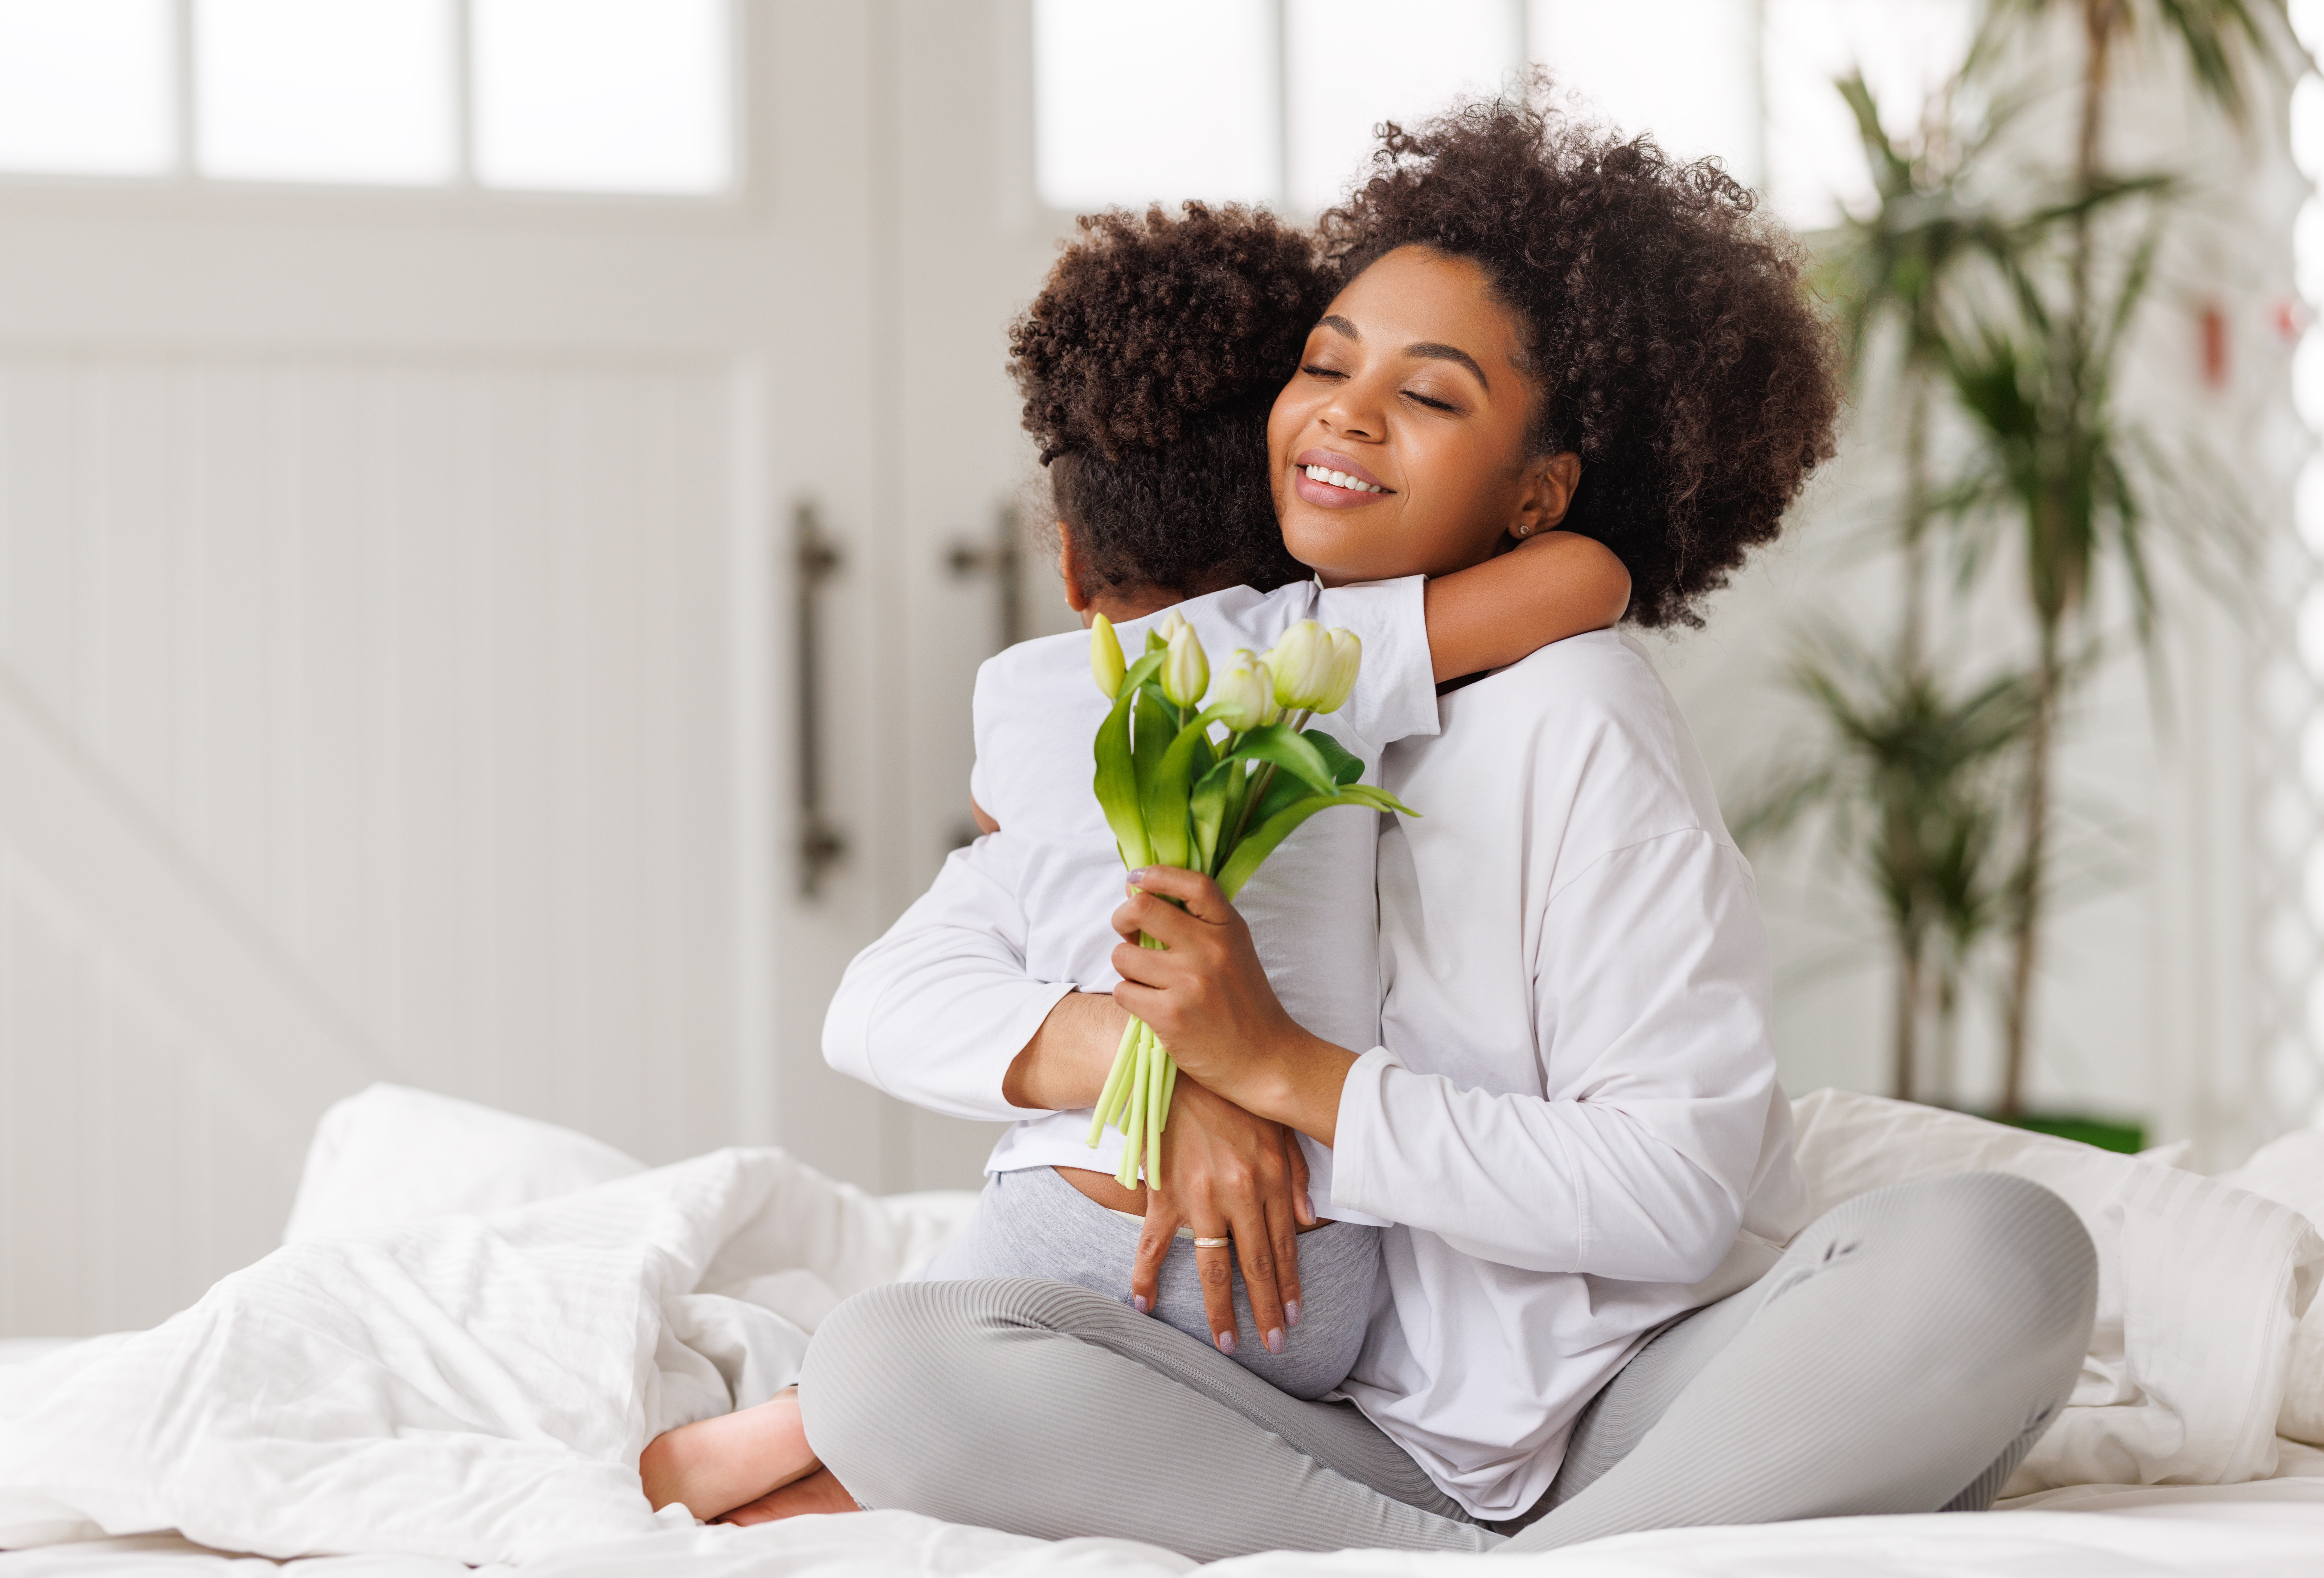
1226 1344
1138 1302
1138 876
1290 1312
1274 1340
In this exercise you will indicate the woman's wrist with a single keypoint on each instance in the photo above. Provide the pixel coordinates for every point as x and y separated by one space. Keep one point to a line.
1296 1080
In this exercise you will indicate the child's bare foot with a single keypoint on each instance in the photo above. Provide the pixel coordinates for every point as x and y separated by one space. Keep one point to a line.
717 1465
819 1491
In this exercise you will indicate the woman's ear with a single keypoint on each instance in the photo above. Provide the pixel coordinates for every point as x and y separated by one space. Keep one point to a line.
1069 570
1547 493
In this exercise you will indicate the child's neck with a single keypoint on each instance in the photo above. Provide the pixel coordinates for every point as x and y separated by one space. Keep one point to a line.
1119 607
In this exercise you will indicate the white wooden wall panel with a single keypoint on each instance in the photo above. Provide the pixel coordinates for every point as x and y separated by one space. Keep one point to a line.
416 679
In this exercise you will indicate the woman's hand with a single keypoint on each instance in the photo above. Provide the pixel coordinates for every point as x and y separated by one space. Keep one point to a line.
1208 997
1227 1174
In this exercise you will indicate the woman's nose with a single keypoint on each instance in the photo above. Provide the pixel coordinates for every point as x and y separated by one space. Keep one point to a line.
1351 422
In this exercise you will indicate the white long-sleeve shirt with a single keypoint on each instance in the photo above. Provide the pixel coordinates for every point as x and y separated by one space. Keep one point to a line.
1054 874
1573 1119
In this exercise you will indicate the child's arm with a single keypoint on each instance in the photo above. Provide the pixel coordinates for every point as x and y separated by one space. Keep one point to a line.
1542 590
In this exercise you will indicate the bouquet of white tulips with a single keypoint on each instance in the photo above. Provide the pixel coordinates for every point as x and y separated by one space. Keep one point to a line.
1176 794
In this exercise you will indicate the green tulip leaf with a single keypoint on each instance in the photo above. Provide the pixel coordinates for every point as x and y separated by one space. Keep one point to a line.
1168 792
1215 798
1293 754
1244 863
1282 792
1117 771
1157 726
1345 768
1378 797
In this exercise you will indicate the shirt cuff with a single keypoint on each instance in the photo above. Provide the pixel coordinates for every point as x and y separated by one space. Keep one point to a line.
1355 1134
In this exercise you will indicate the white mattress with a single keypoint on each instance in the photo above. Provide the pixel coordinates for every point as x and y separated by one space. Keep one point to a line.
2253 1530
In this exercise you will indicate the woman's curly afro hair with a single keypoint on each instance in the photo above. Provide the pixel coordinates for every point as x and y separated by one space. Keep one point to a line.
1149 363
1676 349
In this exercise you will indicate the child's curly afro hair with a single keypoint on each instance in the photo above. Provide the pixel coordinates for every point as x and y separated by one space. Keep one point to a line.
1676 348
1149 363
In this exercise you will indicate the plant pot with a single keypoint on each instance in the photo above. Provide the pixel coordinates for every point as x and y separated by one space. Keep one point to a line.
2127 1135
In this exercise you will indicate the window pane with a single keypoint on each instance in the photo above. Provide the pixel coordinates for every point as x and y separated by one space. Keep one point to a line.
1135 103
1906 48
602 95
326 91
1351 64
1687 70
85 87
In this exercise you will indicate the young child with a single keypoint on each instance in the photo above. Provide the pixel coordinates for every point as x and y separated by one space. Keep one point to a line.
1148 365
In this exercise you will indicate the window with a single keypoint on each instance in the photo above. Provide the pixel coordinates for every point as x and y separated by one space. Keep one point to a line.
1275 100
1136 103
84 88
630 95
1351 64
324 90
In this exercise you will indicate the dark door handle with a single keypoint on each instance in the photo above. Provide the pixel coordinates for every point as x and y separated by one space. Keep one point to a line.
816 558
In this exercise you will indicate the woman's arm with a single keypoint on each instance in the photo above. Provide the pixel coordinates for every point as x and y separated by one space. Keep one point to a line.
1635 1164
1545 589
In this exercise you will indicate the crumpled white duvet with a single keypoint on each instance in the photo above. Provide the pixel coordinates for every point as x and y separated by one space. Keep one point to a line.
470 1387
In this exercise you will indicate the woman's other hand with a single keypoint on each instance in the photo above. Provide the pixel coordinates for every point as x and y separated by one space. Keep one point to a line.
1228 1175
1209 999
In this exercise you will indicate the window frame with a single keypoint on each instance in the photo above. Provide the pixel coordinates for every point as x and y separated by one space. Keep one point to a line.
461 192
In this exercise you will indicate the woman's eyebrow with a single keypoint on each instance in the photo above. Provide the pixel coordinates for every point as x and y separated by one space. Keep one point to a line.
1433 352
1429 350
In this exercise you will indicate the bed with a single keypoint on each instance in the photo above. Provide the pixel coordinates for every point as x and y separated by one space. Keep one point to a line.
476 1320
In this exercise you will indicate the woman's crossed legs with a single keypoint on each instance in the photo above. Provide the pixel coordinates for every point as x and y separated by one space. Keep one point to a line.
1902 1356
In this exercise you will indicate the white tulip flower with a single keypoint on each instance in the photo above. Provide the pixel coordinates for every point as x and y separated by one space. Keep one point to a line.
1106 665
1186 671
1245 694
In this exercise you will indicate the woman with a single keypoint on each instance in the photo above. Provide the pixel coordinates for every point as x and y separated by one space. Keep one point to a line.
1572 1125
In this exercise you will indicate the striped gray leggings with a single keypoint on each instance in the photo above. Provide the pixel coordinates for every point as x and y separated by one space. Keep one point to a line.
1903 1355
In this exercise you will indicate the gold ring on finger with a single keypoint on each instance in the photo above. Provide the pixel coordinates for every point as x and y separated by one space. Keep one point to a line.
1212 1243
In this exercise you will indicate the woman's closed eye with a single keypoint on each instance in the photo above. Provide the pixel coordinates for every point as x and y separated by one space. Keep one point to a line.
1317 370
1430 401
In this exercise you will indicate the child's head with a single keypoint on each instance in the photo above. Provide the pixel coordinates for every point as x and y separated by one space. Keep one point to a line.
1665 384
1149 363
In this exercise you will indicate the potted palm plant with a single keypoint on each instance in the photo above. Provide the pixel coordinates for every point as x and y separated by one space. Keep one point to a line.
2004 324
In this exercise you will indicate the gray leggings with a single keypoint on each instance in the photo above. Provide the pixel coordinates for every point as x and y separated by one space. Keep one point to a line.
1903 1355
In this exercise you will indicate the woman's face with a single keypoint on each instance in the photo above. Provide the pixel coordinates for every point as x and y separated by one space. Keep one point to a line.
1409 389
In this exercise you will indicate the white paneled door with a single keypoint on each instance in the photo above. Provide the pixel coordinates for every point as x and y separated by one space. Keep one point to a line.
399 672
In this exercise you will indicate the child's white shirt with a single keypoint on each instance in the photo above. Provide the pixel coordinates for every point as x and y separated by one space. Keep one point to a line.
1313 909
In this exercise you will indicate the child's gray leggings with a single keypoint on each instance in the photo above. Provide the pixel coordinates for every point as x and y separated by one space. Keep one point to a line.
1902 1356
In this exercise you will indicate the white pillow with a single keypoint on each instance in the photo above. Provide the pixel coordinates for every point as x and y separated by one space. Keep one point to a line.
2291 1170
2201 1287
391 1154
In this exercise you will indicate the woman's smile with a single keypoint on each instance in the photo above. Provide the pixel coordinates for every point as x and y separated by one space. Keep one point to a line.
1326 478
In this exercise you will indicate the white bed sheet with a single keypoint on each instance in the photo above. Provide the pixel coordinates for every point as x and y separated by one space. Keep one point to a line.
2260 1529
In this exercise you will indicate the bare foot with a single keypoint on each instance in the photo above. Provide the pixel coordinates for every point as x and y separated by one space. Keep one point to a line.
717 1465
819 1491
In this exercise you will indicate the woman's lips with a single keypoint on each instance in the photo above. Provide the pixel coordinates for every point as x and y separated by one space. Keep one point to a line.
1333 481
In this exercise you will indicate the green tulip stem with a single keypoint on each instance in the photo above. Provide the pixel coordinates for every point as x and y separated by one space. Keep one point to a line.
1110 1097
1257 792
1133 1128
